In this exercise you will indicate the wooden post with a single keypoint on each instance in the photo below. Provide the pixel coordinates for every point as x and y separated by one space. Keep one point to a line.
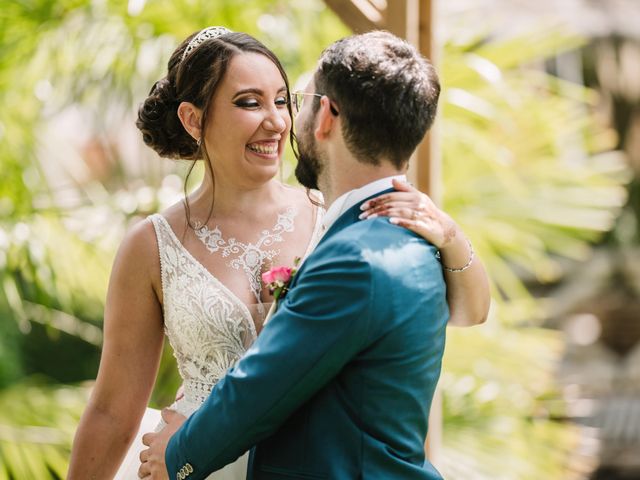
359 15
428 161
413 21
424 168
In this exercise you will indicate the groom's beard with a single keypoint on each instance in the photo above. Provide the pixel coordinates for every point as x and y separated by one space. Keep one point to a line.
309 164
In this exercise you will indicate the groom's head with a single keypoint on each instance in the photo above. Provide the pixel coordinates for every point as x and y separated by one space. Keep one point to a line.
383 92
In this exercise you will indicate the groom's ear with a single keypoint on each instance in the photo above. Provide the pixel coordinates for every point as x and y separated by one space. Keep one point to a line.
327 120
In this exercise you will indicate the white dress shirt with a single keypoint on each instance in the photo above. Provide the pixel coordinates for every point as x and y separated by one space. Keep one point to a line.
346 201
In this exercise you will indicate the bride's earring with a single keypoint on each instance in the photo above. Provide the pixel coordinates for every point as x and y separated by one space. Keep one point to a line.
199 142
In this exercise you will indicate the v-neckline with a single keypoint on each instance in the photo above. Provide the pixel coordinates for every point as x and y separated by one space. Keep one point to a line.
311 244
243 307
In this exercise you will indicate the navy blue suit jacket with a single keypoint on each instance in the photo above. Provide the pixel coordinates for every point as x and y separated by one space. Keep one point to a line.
339 383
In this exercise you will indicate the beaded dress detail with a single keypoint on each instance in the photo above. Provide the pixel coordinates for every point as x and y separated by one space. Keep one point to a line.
209 327
252 258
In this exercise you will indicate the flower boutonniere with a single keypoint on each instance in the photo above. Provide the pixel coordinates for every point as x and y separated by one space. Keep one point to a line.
278 279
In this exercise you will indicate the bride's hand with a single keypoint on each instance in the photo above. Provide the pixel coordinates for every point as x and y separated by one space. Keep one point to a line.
414 210
468 295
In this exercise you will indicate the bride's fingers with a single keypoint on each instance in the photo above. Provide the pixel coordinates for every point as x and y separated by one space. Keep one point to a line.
386 198
404 210
419 202
403 186
420 209
404 192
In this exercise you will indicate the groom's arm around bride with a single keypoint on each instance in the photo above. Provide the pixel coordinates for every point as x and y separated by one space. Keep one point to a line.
339 383
362 331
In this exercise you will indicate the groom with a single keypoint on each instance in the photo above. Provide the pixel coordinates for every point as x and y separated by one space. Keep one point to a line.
339 383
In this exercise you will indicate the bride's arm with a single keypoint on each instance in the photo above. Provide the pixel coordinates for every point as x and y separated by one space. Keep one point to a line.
133 338
468 293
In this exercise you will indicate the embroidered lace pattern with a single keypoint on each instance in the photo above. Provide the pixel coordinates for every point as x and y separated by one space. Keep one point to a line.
252 258
208 327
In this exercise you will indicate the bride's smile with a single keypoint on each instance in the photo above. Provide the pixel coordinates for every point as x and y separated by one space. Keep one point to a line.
246 142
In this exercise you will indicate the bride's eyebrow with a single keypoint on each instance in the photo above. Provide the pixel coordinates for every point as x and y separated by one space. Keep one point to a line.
256 91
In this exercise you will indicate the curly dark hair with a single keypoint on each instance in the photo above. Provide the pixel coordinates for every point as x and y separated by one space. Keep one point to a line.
195 80
386 93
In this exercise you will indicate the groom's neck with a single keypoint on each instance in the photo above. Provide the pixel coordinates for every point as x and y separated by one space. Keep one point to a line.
349 176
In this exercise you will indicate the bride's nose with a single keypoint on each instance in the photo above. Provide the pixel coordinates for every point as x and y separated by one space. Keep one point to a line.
274 121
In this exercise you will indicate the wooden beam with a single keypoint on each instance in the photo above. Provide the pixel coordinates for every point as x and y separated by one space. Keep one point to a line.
359 15
428 164
396 18
413 21
426 175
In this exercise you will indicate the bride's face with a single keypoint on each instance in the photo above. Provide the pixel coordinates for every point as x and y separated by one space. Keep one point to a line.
248 122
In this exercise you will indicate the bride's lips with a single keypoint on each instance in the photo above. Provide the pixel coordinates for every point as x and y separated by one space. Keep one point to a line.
265 148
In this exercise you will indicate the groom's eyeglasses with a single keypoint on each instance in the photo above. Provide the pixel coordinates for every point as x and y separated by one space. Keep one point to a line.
298 98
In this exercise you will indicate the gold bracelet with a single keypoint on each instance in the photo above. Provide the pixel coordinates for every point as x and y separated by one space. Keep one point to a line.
461 269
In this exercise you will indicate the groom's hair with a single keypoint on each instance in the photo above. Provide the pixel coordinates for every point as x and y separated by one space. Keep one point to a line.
386 94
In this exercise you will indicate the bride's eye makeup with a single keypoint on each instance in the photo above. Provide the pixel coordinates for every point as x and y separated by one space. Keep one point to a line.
252 102
246 103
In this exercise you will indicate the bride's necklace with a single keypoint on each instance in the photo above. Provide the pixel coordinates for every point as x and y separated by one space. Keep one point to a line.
250 257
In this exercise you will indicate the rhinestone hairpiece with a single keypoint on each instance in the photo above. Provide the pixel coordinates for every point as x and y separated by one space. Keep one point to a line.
202 36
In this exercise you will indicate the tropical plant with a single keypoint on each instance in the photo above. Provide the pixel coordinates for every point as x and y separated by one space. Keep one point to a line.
36 441
73 179
529 175
518 170
527 168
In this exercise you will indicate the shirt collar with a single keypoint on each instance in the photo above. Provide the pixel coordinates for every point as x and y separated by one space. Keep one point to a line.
352 197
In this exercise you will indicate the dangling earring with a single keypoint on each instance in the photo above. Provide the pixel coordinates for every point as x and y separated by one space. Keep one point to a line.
199 142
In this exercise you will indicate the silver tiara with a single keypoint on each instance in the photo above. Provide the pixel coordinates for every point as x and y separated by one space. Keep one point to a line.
202 36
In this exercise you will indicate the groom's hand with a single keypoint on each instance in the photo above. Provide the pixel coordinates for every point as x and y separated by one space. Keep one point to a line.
153 466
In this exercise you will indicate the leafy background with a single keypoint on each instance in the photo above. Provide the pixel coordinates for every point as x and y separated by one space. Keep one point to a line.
528 171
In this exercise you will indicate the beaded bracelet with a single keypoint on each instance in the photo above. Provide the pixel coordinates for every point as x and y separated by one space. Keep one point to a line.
461 269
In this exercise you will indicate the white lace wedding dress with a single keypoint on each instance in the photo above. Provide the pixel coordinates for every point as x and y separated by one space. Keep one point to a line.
208 327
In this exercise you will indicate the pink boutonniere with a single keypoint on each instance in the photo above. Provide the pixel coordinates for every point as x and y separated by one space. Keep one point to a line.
278 280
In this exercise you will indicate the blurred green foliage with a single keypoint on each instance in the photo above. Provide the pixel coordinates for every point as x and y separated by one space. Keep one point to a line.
523 174
37 422
499 401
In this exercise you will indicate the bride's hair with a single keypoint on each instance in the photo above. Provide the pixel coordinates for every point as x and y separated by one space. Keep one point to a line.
194 77
195 80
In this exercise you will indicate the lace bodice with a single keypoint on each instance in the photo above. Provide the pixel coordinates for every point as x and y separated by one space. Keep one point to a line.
208 327
251 258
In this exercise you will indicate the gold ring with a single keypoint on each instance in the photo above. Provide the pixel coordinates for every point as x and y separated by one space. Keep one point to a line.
414 216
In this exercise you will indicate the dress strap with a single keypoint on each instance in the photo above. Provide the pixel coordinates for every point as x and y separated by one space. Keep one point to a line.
163 237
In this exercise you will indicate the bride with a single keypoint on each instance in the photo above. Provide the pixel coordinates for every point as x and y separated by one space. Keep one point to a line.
193 271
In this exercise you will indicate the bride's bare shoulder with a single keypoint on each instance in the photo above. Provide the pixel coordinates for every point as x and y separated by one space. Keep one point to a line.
306 198
176 217
139 245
